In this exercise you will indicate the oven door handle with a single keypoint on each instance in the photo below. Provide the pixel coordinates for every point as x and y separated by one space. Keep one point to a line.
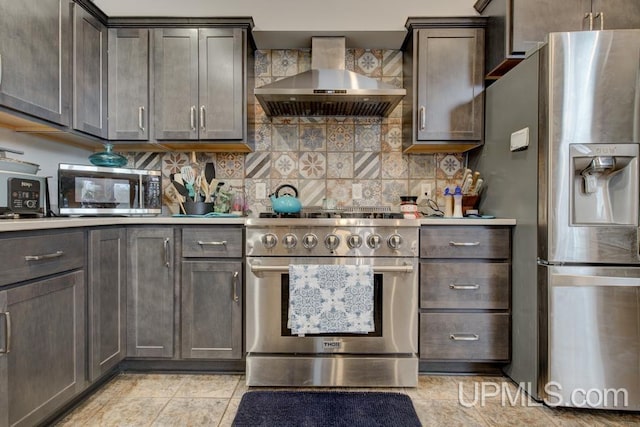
407 268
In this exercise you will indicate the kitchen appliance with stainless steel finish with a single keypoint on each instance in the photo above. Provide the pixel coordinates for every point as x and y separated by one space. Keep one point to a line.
574 193
385 357
328 89
97 190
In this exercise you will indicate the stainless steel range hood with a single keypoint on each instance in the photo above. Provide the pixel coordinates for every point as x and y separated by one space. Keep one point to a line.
328 89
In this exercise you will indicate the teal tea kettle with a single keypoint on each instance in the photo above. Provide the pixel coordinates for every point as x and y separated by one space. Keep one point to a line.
285 203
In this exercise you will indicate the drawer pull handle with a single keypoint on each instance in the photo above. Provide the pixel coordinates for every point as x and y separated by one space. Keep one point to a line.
7 333
464 337
452 243
220 243
56 254
235 286
463 287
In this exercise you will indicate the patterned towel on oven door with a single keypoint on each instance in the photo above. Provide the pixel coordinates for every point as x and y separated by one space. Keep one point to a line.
330 298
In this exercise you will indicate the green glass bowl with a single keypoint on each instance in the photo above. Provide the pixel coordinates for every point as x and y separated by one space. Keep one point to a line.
108 158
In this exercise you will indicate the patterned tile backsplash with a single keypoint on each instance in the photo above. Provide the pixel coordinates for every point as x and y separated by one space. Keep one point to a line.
336 157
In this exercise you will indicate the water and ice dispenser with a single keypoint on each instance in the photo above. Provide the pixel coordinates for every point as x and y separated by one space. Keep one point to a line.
605 184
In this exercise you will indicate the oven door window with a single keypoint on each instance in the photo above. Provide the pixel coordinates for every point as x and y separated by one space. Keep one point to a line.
377 310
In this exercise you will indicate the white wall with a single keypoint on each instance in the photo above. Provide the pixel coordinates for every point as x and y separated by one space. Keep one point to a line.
48 154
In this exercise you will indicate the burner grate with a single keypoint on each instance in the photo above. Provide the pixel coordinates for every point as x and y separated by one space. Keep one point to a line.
347 212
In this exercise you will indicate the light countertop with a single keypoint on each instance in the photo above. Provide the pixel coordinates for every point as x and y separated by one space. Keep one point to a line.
70 222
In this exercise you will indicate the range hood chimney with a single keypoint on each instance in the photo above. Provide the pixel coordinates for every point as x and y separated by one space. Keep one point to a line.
328 89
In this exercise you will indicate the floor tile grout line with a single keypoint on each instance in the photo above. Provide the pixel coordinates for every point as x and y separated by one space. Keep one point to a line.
226 408
160 411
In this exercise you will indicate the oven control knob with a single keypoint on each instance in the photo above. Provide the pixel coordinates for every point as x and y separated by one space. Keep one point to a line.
331 241
354 241
289 241
373 241
394 241
310 241
269 240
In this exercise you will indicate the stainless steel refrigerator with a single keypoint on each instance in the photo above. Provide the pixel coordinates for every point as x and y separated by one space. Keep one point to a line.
574 192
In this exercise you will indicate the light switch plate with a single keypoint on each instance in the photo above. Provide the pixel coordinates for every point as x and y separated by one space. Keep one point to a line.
520 139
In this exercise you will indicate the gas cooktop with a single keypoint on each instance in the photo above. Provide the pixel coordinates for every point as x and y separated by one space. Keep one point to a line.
365 212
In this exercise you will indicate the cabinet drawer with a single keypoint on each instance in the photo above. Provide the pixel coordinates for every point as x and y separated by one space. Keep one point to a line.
211 242
29 257
464 336
465 285
465 242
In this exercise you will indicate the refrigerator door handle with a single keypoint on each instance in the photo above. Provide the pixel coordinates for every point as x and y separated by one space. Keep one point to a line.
559 279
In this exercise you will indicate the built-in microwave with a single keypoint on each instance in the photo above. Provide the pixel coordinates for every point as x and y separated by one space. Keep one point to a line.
96 190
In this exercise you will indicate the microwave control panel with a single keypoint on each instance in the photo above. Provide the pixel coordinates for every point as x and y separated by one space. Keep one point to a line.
24 195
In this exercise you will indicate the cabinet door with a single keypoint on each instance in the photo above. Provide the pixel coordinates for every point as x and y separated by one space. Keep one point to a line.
175 66
107 299
128 84
89 74
4 360
450 84
211 310
35 41
150 288
46 365
534 19
616 14
221 83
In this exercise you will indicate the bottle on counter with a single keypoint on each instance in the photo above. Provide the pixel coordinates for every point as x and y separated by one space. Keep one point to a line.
457 203
448 203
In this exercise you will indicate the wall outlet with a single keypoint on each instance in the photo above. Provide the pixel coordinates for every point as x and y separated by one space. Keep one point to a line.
261 190
426 188
356 191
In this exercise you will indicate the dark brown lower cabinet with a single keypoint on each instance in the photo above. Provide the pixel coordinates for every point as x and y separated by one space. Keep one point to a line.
42 360
150 292
465 295
107 293
211 310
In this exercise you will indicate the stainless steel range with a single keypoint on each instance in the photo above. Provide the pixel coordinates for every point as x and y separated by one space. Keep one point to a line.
387 356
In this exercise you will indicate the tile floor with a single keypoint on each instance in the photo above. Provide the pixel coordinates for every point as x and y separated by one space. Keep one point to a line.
212 400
